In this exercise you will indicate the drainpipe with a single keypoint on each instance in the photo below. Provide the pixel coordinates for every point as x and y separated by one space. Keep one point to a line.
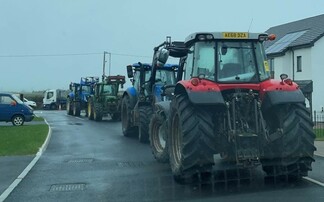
293 64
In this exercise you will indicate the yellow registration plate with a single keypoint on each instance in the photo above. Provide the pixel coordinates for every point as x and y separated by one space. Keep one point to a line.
235 35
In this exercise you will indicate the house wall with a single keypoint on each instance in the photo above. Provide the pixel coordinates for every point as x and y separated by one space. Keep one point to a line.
317 59
306 73
312 69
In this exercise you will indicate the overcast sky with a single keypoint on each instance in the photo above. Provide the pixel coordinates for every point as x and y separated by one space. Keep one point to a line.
46 44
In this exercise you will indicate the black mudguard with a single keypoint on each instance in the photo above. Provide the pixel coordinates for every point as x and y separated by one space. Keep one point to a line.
206 98
281 97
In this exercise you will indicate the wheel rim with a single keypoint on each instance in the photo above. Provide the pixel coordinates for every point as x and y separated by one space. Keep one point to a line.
18 120
159 140
89 109
176 140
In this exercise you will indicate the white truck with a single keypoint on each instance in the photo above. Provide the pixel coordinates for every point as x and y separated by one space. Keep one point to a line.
55 99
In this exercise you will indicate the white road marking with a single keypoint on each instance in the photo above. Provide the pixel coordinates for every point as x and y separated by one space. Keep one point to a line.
314 181
317 154
23 174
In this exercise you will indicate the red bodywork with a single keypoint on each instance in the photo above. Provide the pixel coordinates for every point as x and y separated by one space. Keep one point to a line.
203 85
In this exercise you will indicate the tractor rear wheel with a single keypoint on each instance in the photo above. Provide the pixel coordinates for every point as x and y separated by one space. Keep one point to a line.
126 108
192 139
90 110
97 114
291 154
69 109
158 138
145 114
76 109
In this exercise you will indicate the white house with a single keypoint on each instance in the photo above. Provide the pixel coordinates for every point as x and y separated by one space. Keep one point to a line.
299 52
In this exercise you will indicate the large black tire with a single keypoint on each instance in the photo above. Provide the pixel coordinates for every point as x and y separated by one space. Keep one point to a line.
76 109
192 139
291 154
126 108
18 120
90 110
145 114
158 133
97 114
69 109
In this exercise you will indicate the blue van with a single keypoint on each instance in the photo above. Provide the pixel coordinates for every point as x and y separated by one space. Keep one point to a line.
14 110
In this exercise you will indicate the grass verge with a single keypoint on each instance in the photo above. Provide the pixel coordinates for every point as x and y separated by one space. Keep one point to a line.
22 140
319 132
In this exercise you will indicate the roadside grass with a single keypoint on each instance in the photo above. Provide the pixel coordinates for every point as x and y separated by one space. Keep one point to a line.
319 132
22 140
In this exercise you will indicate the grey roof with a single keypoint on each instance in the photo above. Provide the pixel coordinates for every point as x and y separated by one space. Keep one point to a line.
308 31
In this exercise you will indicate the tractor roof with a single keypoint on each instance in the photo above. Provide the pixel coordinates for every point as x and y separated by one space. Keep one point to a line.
170 66
200 36
89 80
145 65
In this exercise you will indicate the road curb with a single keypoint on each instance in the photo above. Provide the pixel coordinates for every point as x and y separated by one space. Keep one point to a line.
23 174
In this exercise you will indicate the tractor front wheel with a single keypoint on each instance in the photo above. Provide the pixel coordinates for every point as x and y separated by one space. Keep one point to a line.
145 114
158 137
90 110
97 115
126 108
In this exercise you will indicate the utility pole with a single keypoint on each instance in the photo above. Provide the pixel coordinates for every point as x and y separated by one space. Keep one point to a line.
104 64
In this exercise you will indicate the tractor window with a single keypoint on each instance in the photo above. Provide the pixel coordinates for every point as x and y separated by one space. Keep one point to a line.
86 89
109 89
137 78
165 76
189 64
240 61
204 56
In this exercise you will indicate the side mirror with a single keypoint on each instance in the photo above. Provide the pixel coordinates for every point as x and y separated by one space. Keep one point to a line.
70 87
130 71
162 56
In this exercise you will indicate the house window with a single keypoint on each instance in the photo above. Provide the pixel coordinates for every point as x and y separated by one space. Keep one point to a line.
299 63
271 62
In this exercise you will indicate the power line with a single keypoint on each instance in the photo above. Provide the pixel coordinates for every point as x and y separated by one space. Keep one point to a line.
69 54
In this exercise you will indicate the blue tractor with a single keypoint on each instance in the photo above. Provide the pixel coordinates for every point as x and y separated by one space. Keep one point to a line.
138 100
77 99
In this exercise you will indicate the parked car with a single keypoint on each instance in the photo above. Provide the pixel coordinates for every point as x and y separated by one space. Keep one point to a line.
12 109
30 103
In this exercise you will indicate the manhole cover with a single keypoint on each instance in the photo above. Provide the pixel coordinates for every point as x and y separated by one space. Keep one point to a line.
68 187
130 164
85 160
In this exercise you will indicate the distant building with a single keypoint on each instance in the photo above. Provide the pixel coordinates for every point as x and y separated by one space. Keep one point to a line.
299 52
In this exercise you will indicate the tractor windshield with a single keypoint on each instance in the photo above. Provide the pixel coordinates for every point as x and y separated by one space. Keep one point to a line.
241 62
167 77
109 89
235 61
86 89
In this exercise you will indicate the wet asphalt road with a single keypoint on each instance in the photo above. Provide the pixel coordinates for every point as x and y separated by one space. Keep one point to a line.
92 161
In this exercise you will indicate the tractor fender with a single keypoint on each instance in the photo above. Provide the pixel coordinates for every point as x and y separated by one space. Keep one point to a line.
272 98
163 107
201 95
132 94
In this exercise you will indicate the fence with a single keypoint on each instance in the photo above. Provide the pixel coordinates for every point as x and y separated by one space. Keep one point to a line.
318 118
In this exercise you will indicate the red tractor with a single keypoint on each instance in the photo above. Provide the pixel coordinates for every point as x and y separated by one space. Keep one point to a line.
227 104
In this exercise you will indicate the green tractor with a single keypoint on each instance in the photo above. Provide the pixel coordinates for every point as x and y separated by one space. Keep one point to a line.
106 98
